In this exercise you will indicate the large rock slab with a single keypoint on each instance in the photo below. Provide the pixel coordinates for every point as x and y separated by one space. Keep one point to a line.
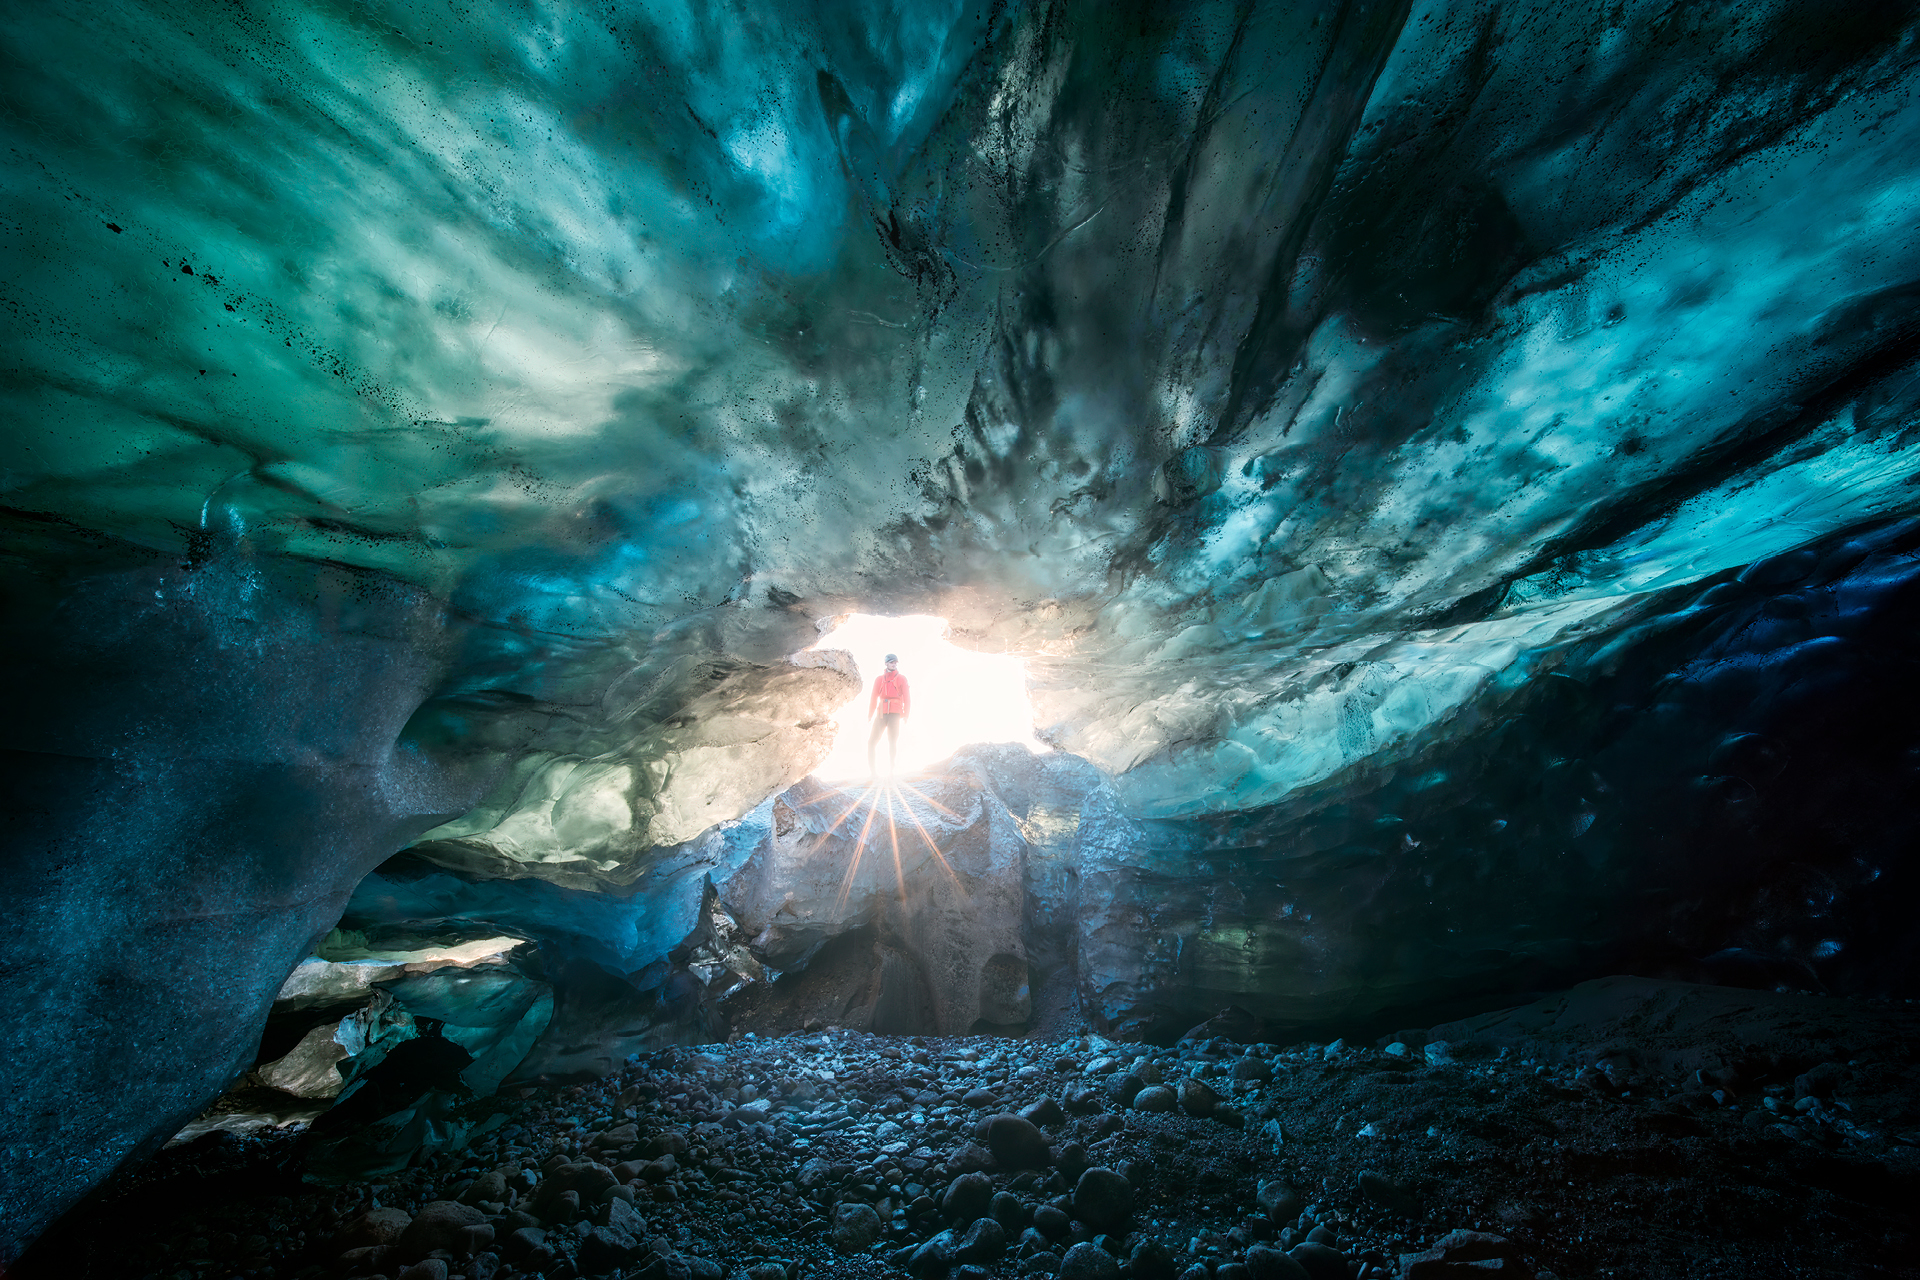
910 899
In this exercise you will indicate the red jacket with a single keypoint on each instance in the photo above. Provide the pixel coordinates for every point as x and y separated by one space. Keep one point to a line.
891 695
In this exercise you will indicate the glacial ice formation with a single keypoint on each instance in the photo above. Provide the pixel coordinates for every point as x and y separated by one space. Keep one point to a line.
1448 469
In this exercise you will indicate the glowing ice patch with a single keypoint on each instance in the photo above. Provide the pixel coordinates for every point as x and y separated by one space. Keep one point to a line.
959 697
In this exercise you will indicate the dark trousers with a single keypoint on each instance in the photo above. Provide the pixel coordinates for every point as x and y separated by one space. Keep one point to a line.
888 724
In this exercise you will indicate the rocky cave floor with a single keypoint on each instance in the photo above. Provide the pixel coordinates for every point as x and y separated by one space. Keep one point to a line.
845 1154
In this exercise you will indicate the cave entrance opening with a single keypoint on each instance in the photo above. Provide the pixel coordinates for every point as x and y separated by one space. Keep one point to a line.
960 697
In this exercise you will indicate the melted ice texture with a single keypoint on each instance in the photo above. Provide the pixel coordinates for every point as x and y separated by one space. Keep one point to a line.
1279 385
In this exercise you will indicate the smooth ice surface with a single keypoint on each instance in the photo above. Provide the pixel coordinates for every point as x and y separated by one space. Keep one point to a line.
1233 335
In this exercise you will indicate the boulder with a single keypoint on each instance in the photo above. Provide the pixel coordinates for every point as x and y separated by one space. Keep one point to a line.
1089 1262
1280 1202
1151 1260
1016 1143
967 1197
374 1227
1197 1097
1319 1261
1266 1263
983 1241
1103 1200
1466 1255
1155 1098
1010 1211
855 1227
439 1225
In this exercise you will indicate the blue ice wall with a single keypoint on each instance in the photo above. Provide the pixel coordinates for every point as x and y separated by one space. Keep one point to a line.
1301 387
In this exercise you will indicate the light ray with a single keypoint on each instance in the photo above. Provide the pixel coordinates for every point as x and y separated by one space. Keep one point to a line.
853 863
930 800
844 815
932 844
893 834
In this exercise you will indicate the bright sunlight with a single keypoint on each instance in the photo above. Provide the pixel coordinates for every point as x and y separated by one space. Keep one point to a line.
959 697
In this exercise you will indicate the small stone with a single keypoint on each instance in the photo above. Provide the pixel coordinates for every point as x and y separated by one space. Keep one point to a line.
1123 1089
603 1250
813 1174
1438 1051
374 1227
1155 1098
1252 1068
984 1241
1466 1255
618 1138
1595 1079
1071 1160
1232 1271
750 1113
1280 1202
934 1258
563 1209
1009 1210
1016 1143
1080 1100
981 1099
1103 1199
525 1244
1821 1081
1197 1097
1319 1261
1320 1235
430 1269
855 1227
671 1143
967 1197
971 1158
1151 1260
438 1225
1198 1271
487 1187
1271 1264
1089 1262
1052 1222
1045 1113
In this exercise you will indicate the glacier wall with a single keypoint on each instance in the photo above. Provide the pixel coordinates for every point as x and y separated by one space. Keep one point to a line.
435 421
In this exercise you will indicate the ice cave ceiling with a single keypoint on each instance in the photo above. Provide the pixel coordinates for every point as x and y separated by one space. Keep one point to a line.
1388 430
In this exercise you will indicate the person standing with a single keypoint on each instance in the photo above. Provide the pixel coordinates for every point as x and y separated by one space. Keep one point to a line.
891 703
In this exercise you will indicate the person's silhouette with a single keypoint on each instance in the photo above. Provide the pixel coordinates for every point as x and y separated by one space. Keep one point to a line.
891 703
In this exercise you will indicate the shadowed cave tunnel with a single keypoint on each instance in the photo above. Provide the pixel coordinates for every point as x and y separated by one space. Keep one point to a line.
1450 474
